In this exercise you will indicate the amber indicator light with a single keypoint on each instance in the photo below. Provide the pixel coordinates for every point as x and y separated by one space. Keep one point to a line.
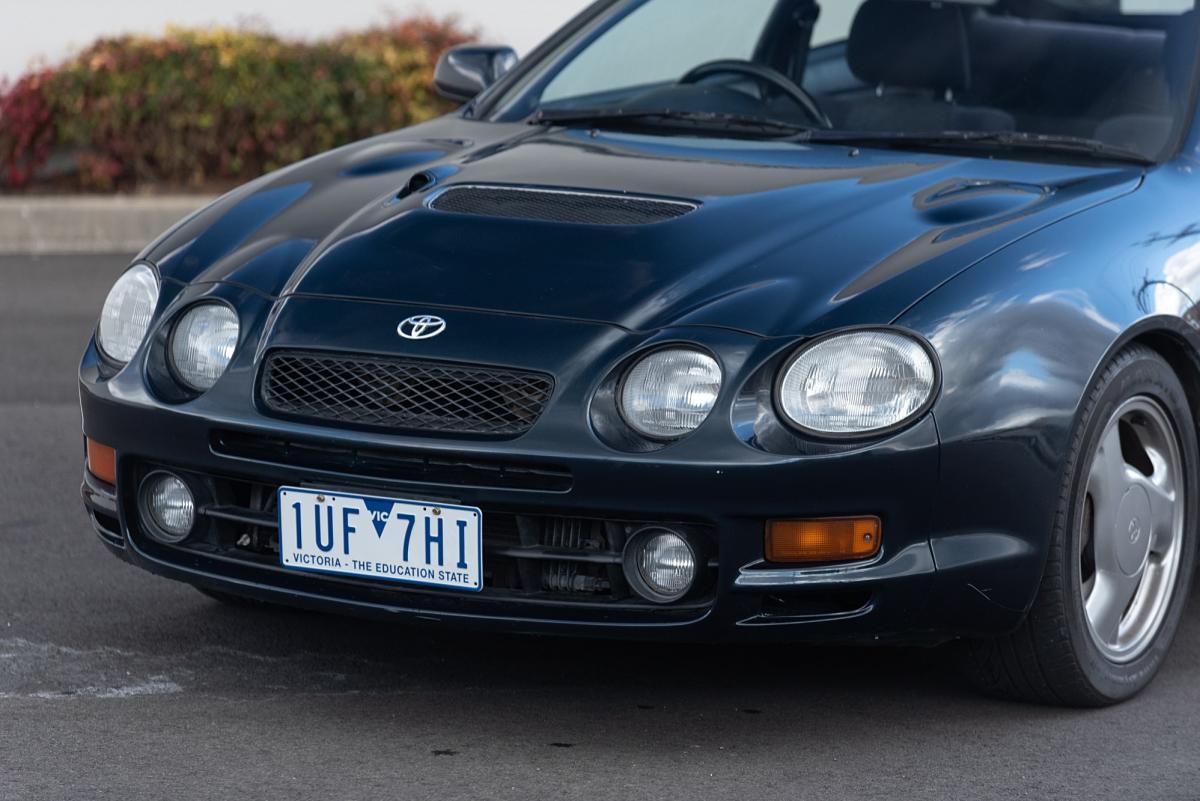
840 539
102 462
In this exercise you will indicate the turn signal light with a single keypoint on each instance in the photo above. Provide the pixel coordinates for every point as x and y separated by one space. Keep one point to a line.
841 539
102 462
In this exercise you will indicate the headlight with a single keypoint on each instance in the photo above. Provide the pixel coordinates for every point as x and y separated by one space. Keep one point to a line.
857 383
127 313
670 393
203 344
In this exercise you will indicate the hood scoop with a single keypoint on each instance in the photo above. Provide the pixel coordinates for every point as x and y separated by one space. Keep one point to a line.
559 205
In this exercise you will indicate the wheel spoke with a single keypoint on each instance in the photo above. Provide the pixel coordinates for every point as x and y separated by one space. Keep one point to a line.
1106 484
1106 605
1108 469
1162 496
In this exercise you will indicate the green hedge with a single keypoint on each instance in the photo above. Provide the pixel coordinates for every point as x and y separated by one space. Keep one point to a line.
197 107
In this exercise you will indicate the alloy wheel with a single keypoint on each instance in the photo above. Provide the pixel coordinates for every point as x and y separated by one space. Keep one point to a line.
1131 537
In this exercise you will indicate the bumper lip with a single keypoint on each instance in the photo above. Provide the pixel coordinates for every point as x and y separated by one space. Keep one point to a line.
100 499
97 495
352 606
914 560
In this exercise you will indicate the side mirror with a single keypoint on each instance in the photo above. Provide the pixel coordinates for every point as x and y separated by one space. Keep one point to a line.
465 71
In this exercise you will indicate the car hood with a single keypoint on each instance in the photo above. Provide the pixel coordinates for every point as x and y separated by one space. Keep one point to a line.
777 239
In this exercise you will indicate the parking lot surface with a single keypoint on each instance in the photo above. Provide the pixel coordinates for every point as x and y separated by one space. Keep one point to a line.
115 684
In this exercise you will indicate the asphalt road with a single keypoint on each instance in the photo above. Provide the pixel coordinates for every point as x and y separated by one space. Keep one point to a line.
115 684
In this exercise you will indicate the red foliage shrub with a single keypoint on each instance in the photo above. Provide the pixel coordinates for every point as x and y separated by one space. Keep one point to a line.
197 106
26 129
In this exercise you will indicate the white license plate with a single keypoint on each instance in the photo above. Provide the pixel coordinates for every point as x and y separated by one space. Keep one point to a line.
381 538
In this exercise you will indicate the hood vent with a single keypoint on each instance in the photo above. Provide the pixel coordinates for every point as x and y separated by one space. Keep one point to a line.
558 205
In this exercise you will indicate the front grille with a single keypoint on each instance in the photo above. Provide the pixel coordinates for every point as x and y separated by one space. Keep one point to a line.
405 395
556 205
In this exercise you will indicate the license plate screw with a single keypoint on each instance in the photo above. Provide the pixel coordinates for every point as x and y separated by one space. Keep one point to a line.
320 499
437 512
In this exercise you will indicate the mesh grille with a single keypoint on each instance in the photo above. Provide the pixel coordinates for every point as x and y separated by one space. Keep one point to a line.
548 205
409 395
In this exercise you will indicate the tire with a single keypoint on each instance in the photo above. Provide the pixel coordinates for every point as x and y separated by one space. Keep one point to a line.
1066 652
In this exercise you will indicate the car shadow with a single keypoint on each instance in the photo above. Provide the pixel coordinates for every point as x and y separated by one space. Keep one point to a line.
264 651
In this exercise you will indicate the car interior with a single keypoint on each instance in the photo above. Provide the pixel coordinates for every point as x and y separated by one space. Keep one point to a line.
1088 69
1037 67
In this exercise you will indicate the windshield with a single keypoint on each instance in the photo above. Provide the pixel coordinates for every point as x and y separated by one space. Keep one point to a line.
1105 78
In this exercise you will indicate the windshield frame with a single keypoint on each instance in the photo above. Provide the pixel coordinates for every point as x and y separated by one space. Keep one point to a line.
532 74
562 46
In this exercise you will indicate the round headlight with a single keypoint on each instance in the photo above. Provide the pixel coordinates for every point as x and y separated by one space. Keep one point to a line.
203 344
127 313
670 392
857 383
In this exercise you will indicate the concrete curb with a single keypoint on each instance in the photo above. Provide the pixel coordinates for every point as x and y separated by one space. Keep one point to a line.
82 224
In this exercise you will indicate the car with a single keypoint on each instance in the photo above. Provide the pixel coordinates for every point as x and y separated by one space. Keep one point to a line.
778 320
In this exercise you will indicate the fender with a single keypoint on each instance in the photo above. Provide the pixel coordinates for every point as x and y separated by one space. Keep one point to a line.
1022 337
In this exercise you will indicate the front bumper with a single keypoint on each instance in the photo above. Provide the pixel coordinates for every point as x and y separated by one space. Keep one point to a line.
887 599
716 482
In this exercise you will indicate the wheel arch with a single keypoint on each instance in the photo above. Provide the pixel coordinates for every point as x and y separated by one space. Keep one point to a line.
1177 343
1172 338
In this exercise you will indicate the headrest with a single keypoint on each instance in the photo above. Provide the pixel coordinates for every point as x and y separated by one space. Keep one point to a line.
913 44
1073 67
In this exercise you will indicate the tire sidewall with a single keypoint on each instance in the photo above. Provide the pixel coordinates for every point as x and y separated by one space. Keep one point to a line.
1145 374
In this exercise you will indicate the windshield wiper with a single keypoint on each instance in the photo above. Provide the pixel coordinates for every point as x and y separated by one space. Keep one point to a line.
736 123
1004 140
671 118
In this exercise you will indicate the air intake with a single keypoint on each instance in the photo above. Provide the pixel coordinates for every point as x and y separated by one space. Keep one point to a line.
405 395
558 205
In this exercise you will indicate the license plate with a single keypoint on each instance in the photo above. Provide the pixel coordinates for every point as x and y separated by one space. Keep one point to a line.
381 538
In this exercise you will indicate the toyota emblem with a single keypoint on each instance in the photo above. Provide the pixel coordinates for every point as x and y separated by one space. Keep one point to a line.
423 326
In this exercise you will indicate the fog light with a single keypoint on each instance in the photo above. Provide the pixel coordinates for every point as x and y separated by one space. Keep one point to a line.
660 565
171 507
841 539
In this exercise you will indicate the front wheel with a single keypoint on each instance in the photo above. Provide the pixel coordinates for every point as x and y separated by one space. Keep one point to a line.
1122 553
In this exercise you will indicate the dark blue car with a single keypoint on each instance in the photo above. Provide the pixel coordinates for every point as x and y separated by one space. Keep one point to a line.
776 319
